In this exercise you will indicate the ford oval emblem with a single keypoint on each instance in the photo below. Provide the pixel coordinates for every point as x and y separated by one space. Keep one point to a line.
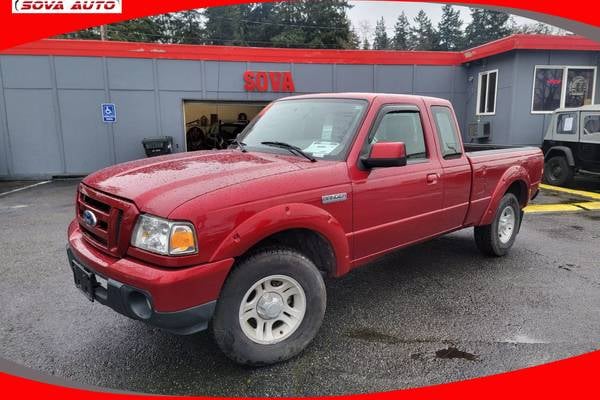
89 218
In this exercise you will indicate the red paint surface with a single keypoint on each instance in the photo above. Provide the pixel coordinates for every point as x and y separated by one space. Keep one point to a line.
93 48
237 199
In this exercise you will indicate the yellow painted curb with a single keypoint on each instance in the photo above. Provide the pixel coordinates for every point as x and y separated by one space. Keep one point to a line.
590 205
582 193
539 208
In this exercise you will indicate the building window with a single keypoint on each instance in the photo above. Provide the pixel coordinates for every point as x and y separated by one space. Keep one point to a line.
558 87
486 92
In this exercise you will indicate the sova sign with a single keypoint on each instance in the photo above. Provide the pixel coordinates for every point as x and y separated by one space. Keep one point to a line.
264 81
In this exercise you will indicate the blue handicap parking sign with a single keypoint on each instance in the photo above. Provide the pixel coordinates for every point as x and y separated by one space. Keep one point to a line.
109 112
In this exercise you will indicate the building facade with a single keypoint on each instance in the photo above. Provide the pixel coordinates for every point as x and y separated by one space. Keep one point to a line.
52 92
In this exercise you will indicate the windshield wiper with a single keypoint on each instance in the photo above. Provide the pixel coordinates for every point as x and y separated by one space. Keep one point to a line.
241 145
291 148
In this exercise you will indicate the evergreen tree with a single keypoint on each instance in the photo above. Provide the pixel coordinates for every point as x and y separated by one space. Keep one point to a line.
450 29
181 27
354 42
381 41
486 26
366 45
401 33
423 35
225 25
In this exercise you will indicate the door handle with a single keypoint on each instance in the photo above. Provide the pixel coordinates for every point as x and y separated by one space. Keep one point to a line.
432 179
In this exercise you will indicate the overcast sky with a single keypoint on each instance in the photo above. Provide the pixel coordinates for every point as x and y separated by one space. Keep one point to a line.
371 11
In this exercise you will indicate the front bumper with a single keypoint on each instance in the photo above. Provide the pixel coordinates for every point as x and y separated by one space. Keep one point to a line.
136 303
178 300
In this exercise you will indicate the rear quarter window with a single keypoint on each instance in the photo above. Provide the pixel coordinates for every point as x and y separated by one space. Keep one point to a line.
447 131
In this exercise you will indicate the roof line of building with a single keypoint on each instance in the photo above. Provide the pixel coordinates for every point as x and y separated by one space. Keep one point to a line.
95 48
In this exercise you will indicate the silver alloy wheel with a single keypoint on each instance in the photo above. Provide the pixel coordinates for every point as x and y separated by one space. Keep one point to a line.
506 225
272 309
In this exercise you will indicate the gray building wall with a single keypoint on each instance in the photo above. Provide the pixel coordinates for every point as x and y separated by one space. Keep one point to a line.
50 119
513 122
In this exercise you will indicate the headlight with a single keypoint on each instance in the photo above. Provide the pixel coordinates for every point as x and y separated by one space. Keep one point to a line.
163 237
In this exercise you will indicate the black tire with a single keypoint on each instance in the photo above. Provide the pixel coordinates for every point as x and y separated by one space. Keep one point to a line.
227 329
487 237
557 171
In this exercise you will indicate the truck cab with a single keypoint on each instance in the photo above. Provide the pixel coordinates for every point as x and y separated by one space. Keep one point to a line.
572 144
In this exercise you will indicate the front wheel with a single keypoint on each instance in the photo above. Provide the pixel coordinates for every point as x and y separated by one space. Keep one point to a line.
271 307
497 238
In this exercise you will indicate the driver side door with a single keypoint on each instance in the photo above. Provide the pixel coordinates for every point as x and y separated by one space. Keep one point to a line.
395 206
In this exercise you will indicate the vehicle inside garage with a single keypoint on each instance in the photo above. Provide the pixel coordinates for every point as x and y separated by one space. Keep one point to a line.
215 125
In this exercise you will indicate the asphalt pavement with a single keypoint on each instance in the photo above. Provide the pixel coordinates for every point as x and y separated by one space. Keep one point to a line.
433 313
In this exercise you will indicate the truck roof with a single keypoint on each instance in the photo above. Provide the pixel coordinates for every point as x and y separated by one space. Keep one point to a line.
393 97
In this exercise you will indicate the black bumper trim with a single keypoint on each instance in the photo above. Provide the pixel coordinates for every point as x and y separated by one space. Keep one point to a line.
121 298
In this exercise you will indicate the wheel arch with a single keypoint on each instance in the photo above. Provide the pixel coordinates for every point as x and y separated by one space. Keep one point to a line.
515 180
306 228
560 151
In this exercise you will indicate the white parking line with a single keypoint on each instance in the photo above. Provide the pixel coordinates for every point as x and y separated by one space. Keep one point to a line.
23 188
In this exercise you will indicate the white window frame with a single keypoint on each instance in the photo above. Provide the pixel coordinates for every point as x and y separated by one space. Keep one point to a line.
487 91
563 89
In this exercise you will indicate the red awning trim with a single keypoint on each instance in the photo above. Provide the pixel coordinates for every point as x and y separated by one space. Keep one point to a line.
94 48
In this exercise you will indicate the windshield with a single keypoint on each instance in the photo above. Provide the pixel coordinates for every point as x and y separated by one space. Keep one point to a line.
323 128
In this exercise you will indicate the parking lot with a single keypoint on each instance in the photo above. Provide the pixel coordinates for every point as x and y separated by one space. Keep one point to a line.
433 313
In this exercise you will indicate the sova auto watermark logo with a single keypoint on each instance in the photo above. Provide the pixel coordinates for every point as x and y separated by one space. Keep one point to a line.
66 7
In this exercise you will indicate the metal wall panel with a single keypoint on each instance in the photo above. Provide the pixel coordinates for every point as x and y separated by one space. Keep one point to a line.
79 72
32 131
312 78
4 144
178 75
87 140
433 79
26 72
135 121
354 78
231 77
130 74
394 79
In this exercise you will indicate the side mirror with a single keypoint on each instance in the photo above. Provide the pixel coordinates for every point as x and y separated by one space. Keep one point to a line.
386 154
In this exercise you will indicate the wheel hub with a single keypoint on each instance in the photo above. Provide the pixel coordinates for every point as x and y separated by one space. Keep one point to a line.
272 309
269 306
506 225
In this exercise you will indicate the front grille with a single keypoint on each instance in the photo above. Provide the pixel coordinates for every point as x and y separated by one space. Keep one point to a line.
109 212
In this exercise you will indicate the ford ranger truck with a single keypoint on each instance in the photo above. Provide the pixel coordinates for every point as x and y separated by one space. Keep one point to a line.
241 239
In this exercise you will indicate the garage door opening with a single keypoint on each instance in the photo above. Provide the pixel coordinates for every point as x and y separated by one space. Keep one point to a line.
215 125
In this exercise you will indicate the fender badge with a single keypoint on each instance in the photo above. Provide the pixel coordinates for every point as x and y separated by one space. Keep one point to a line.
334 198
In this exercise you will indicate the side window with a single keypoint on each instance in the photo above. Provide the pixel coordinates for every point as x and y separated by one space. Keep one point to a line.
591 124
403 126
446 131
566 124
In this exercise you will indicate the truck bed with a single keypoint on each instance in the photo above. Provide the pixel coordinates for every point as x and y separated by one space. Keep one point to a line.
491 164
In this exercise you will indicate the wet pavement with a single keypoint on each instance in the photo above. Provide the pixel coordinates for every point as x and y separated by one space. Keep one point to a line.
433 313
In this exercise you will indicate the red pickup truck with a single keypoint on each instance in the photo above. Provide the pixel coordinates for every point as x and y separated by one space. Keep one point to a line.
315 186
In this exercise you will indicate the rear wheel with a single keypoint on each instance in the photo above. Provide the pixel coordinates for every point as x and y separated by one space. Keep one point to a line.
271 307
498 237
557 171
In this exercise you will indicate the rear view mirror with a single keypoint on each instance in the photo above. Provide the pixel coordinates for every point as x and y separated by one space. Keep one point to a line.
386 154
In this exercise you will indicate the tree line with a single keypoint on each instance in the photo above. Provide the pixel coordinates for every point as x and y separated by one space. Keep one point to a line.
312 24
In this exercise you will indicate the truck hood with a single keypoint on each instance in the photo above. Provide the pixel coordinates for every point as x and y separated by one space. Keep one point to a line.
158 185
